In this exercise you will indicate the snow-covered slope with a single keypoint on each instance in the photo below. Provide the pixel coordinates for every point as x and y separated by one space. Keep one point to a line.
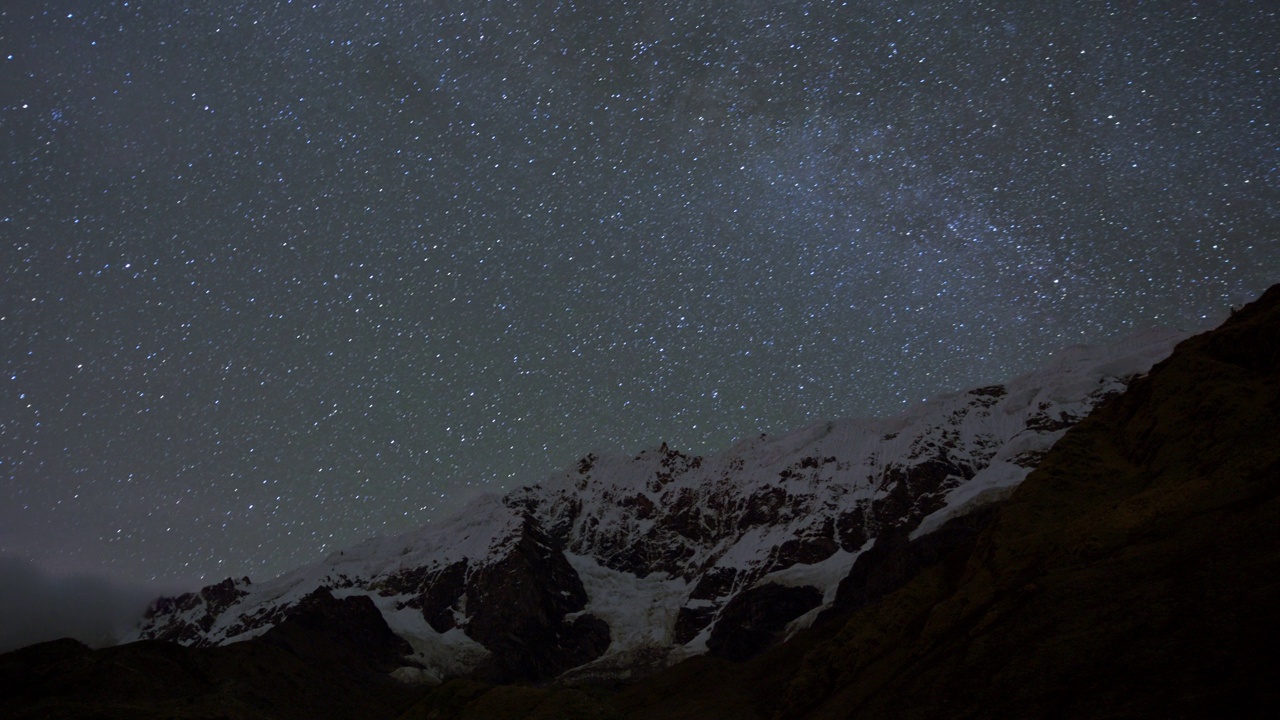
624 563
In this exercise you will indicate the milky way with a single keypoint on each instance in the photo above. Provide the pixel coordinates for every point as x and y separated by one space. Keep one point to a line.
278 276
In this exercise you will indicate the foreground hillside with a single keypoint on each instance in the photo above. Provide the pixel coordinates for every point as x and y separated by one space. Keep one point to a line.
1131 574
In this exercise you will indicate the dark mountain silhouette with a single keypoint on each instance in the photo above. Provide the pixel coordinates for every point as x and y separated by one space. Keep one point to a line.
1131 574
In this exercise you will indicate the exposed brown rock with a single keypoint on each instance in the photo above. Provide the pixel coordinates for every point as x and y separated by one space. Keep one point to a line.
348 632
763 508
212 601
433 590
715 583
754 619
691 620
808 549
895 560
517 609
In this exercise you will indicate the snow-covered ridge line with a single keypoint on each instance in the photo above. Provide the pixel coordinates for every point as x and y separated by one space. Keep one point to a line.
624 561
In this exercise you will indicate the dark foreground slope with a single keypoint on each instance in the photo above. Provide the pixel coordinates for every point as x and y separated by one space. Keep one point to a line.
1135 573
330 659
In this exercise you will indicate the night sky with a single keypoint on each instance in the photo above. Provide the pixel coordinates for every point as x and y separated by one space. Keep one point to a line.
277 276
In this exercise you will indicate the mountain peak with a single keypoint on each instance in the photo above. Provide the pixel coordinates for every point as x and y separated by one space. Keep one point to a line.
646 558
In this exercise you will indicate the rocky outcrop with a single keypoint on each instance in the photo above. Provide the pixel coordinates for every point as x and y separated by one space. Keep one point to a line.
519 608
348 632
186 619
895 560
753 620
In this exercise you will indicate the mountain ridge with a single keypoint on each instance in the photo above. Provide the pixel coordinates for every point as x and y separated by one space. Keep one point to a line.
1130 574
629 563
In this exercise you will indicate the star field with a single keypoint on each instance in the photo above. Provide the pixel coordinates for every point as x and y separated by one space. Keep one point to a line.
277 276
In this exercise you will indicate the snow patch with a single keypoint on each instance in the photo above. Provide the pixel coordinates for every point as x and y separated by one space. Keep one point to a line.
994 483
439 655
825 575
640 612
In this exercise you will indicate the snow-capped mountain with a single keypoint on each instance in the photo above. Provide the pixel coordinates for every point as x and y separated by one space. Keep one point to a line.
625 563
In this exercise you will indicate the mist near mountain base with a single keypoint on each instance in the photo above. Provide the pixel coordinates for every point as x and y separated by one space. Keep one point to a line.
36 606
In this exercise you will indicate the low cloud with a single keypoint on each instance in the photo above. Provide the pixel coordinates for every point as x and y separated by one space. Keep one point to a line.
36 606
